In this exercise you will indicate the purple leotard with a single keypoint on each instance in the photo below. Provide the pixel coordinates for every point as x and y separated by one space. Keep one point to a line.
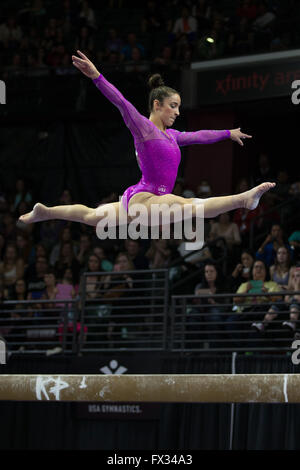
158 154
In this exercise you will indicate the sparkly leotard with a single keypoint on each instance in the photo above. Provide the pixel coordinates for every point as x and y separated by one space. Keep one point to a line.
158 154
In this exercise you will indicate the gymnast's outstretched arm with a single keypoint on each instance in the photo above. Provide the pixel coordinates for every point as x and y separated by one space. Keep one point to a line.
138 124
209 136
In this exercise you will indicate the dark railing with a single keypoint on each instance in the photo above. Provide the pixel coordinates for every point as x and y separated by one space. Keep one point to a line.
40 326
133 310
225 326
130 313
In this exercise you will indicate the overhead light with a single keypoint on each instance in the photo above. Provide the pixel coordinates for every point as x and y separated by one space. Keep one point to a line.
210 40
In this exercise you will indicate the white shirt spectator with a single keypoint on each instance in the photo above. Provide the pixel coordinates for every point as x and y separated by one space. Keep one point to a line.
190 26
264 20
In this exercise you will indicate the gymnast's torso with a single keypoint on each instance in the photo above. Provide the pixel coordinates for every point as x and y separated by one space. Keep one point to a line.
158 153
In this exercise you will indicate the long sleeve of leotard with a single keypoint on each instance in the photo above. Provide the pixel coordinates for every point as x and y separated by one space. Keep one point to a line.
199 137
138 125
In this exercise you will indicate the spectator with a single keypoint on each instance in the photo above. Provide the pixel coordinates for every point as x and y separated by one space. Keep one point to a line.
227 229
10 33
241 39
84 250
164 60
65 236
264 172
37 250
106 265
158 254
67 259
258 284
204 190
264 18
23 245
185 25
126 52
133 250
202 11
9 229
114 43
22 193
87 15
280 270
152 21
242 271
20 293
292 303
12 267
93 281
267 251
118 289
210 308
84 42
34 277
294 242
135 64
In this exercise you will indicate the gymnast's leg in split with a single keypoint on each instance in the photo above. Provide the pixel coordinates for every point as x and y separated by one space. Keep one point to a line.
90 216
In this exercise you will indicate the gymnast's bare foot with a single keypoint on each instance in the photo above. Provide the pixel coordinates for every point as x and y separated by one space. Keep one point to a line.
252 197
38 213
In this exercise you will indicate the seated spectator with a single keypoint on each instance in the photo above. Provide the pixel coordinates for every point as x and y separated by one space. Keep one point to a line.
84 250
185 25
9 228
164 61
258 284
67 259
133 250
93 282
242 271
294 242
193 257
264 171
152 20
106 265
117 294
84 42
20 293
275 239
264 18
34 277
36 251
126 52
202 11
281 190
10 33
280 270
50 232
227 229
23 244
50 290
135 63
65 236
11 268
87 15
158 254
291 303
204 190
113 43
213 283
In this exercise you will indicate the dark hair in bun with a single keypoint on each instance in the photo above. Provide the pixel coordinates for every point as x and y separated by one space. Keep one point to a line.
159 90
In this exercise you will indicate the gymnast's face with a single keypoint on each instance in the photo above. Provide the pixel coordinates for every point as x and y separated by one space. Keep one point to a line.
168 111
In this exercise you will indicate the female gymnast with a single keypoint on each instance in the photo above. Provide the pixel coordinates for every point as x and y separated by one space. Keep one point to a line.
158 156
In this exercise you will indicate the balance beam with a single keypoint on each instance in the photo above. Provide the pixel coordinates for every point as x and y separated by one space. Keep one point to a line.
221 388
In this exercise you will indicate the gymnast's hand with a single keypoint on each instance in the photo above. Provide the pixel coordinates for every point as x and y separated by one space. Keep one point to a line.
85 65
237 135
